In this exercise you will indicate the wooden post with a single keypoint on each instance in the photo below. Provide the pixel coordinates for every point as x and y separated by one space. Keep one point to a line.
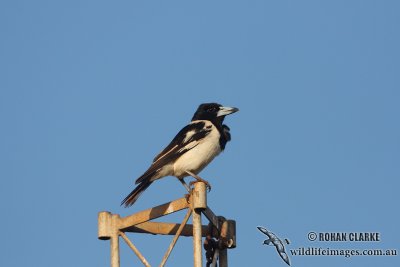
115 241
197 239
104 225
199 196
228 240
223 258
228 234
199 203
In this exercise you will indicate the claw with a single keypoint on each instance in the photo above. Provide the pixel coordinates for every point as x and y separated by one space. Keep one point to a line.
204 181
199 179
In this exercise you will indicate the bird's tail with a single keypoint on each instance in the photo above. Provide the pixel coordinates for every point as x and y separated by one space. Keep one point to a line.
134 195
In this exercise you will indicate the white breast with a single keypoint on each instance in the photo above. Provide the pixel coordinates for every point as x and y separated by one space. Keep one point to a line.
200 156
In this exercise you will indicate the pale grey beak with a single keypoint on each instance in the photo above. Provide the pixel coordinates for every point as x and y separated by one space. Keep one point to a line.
223 111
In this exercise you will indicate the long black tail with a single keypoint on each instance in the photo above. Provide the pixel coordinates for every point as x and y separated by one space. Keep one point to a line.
134 195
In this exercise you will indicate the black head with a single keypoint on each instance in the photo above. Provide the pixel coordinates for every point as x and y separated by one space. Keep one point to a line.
213 112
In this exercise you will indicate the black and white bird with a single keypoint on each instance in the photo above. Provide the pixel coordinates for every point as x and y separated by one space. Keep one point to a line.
275 241
192 149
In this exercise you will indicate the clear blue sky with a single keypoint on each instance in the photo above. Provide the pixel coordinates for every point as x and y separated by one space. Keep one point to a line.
90 91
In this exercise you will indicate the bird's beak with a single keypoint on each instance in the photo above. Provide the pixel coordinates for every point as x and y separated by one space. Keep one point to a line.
223 111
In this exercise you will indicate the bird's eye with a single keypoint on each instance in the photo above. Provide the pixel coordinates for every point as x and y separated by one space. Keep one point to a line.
211 109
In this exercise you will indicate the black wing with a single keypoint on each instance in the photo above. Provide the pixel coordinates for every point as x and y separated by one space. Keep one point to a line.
187 138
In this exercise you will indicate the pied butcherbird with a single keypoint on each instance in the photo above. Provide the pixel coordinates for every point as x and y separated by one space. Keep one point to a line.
191 150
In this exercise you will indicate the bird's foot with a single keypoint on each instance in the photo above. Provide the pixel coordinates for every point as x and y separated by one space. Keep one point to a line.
203 181
199 179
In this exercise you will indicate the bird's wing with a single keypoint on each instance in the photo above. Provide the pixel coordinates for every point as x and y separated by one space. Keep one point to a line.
191 132
264 231
187 138
285 257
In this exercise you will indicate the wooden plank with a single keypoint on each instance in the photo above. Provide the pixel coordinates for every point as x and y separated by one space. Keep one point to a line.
161 228
153 213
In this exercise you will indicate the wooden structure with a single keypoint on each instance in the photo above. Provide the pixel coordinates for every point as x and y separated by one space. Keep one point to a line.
219 231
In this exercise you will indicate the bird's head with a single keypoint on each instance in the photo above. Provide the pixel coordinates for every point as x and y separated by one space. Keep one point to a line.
267 242
213 112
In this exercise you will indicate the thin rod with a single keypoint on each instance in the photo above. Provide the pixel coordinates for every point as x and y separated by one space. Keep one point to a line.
137 252
177 235
197 238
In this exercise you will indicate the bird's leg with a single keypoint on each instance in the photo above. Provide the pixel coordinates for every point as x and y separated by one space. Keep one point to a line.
199 179
184 184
